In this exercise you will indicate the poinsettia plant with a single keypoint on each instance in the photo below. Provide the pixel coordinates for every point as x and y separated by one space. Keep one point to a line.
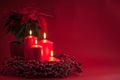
20 22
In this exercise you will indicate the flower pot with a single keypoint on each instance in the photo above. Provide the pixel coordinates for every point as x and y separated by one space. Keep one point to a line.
16 49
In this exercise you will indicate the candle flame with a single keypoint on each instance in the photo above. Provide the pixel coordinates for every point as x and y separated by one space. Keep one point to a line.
51 53
44 35
36 41
30 32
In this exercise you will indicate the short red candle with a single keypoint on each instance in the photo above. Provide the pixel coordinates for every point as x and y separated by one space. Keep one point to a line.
47 47
29 41
36 52
52 58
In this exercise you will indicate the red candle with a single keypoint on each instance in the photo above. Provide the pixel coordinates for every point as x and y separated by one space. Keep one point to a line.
52 58
47 47
29 41
36 52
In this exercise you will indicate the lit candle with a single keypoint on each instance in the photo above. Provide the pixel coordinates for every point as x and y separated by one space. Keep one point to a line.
29 41
52 58
47 46
36 51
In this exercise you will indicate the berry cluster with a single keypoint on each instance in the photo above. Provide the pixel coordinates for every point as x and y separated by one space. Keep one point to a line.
19 67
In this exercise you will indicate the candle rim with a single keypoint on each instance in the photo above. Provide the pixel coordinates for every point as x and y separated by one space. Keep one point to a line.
36 45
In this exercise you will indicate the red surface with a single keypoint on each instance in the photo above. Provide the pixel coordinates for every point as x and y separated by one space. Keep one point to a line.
87 29
96 73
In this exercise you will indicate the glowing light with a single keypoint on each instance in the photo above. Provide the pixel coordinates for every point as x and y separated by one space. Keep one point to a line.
44 35
44 41
30 32
51 58
51 53
36 42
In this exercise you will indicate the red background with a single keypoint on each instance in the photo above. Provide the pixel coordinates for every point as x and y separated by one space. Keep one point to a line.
86 29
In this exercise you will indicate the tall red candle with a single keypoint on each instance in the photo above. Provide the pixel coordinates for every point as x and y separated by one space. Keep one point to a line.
47 47
36 51
29 41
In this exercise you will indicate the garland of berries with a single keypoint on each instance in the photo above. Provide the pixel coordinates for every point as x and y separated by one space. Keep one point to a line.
17 66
